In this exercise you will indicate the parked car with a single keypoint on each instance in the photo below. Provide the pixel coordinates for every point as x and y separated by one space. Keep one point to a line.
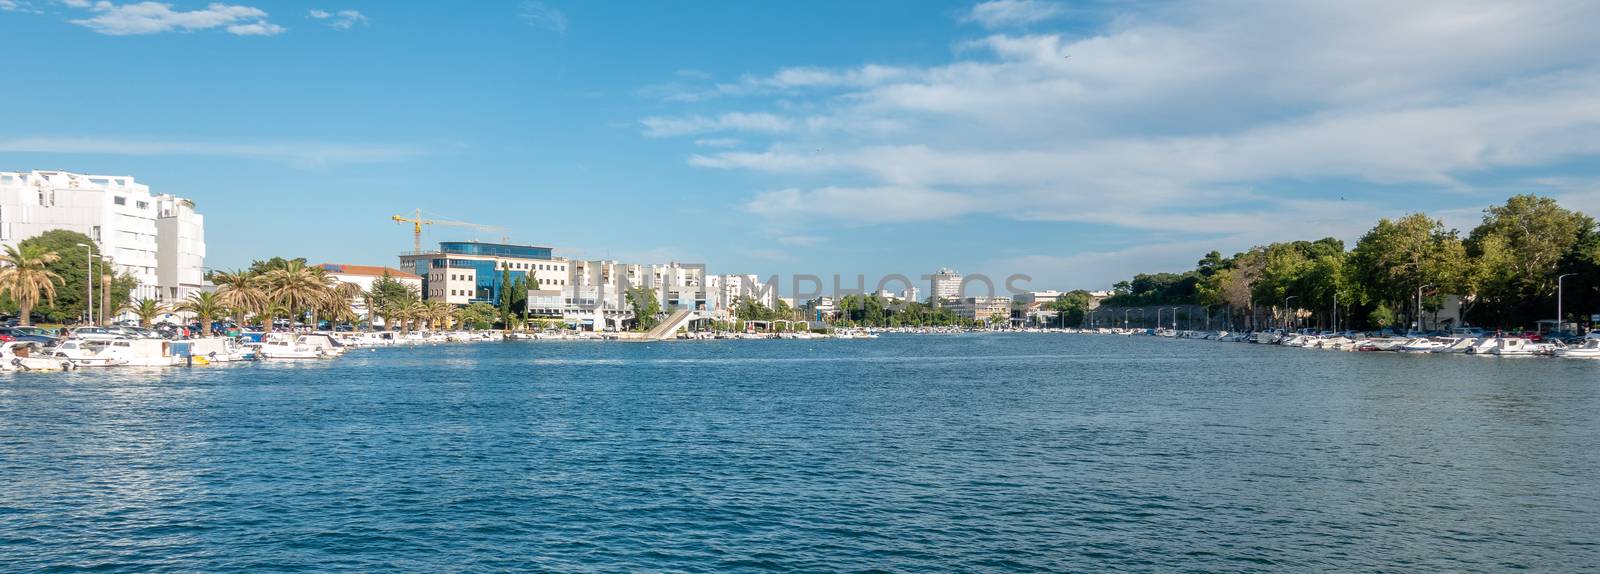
26 334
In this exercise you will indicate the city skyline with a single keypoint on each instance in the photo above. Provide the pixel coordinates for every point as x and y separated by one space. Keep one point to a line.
1077 143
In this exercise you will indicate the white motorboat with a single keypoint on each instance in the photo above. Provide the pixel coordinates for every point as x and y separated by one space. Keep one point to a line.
30 356
1455 344
145 352
322 342
89 353
1420 345
1590 349
1514 347
1483 346
287 346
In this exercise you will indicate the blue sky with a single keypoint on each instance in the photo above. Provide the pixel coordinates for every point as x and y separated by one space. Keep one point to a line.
1076 142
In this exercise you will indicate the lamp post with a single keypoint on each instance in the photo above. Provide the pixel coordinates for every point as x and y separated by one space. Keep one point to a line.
1174 318
1335 312
1560 317
88 281
1125 316
1419 304
1288 317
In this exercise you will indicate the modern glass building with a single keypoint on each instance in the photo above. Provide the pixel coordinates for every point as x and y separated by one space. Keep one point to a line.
464 272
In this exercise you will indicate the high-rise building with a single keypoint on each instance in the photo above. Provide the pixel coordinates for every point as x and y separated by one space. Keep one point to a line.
158 239
945 285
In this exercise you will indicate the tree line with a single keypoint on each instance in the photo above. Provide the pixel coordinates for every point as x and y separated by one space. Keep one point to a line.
1505 272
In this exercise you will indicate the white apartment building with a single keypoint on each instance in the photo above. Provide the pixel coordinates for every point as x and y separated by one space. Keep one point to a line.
946 285
984 308
683 285
727 291
1033 298
158 239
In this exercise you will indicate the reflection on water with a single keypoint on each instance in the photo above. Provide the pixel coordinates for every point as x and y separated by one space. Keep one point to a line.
949 453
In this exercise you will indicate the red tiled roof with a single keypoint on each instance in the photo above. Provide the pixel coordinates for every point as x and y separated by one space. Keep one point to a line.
367 270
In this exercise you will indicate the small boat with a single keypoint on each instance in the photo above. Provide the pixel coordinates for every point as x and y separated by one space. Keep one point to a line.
1590 349
30 356
1514 347
1455 344
1420 345
287 346
89 353
1484 346
321 341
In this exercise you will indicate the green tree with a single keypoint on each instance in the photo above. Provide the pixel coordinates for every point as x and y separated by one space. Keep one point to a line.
260 267
26 278
646 309
477 316
1072 307
1520 248
506 289
1397 257
73 268
385 296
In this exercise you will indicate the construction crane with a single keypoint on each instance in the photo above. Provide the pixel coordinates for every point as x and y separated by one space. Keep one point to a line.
417 222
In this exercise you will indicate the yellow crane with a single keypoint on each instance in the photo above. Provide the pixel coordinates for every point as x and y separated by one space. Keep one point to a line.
417 222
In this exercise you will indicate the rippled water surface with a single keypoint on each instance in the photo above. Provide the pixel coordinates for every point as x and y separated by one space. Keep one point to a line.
999 453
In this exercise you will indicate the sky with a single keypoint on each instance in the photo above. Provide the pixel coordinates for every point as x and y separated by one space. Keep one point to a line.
1075 142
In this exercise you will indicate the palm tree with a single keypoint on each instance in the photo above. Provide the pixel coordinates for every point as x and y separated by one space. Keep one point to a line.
404 310
27 279
270 311
439 315
343 314
341 298
245 293
206 306
148 310
297 288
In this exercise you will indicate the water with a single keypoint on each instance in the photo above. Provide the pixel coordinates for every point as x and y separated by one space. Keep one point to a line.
999 453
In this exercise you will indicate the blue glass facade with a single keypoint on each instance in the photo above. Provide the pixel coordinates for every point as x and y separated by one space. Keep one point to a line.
496 250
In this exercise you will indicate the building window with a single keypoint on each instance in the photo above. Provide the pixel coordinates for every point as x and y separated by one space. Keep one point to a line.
143 205
119 200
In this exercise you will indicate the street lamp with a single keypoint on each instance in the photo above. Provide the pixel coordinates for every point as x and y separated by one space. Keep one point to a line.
1175 318
1125 316
1288 316
88 280
1419 305
1559 316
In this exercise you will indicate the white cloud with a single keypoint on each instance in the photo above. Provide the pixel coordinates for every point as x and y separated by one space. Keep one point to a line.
1002 13
260 28
540 15
338 20
717 142
1188 103
19 6
872 205
157 17
733 121
303 154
